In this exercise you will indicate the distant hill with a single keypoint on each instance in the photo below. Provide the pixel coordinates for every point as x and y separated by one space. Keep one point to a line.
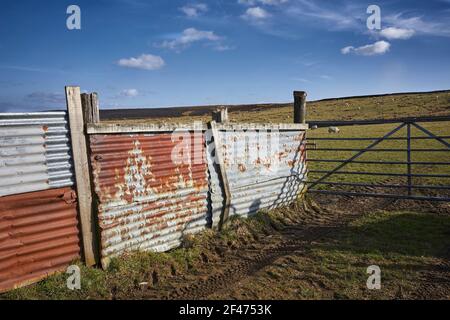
390 105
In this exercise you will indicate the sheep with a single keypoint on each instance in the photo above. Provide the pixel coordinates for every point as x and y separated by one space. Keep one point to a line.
333 130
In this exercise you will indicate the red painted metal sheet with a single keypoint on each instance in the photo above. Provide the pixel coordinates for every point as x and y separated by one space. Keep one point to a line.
38 235
146 200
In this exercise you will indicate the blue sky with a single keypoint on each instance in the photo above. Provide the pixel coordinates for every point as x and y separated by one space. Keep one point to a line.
138 53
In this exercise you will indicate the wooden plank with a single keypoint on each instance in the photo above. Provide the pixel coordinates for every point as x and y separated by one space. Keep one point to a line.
263 126
223 174
113 128
83 182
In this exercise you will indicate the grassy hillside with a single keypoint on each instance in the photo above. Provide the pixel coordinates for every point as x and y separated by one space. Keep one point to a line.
353 108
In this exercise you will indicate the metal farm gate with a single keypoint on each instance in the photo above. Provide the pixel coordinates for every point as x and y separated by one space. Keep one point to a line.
38 204
409 160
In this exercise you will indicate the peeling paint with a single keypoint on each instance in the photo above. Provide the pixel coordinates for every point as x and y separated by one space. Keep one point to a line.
265 170
146 200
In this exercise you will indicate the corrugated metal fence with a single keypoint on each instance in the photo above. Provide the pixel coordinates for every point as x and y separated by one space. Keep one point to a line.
38 216
265 169
144 199
34 152
148 202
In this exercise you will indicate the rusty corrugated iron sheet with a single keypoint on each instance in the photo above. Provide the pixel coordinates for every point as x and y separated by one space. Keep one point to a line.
38 235
146 201
265 170
34 152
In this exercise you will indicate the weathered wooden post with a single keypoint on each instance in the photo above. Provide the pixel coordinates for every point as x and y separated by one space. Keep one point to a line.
90 107
220 115
300 107
82 173
222 174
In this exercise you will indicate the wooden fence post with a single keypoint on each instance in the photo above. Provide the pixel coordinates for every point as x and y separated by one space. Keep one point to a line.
300 107
220 115
82 175
222 175
90 107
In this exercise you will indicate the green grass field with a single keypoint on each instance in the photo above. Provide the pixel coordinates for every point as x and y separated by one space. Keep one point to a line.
387 107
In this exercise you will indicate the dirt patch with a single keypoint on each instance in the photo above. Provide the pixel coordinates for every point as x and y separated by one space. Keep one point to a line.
316 249
278 261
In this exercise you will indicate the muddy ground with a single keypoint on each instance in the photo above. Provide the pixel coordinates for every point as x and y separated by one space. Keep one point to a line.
319 248
280 260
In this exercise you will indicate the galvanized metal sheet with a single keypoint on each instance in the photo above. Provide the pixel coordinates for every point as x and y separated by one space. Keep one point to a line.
34 152
146 200
38 235
265 170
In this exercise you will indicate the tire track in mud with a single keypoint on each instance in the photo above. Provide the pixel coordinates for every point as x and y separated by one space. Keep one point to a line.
435 283
316 223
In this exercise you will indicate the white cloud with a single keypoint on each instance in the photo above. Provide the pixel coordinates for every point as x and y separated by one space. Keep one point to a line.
273 2
325 77
189 36
222 47
129 93
397 33
301 80
332 15
256 13
437 27
378 48
144 62
264 2
194 10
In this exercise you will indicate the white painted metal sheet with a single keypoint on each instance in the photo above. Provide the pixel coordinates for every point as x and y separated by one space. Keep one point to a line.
34 152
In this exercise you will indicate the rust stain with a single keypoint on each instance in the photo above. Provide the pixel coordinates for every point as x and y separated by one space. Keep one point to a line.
144 195
38 235
141 169
260 170
300 137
